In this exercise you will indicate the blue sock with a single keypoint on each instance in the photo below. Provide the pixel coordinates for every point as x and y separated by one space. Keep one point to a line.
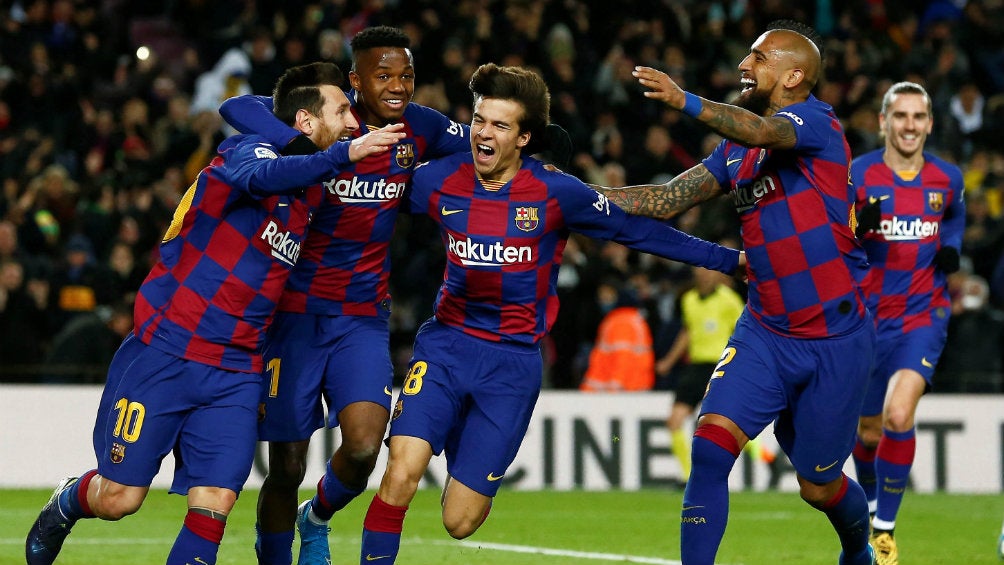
198 541
864 466
382 528
73 500
705 501
332 495
892 466
848 512
273 548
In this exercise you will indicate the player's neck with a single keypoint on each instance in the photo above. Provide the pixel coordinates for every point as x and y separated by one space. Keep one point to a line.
900 162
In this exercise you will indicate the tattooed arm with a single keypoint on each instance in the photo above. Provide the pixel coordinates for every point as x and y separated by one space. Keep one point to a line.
731 122
664 201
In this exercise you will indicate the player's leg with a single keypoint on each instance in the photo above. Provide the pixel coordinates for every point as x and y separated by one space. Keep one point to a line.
818 434
214 454
464 509
407 460
870 423
295 358
689 392
277 501
894 458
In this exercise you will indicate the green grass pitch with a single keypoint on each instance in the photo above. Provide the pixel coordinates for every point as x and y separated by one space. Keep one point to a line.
553 528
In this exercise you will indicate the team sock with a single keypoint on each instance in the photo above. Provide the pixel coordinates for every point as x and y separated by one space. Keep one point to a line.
274 548
893 462
848 512
73 501
681 448
198 541
706 498
381 532
332 495
864 465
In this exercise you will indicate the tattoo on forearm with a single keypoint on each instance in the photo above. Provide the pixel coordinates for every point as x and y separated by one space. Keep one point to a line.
747 128
667 200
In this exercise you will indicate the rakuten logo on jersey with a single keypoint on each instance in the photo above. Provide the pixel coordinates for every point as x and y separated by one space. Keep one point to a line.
746 197
898 229
284 247
354 190
495 254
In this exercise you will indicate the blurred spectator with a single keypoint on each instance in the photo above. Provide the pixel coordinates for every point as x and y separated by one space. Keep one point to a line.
621 359
972 359
82 350
23 327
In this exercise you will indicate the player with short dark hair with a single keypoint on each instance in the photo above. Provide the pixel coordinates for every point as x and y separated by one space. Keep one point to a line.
476 370
911 219
331 338
784 162
188 378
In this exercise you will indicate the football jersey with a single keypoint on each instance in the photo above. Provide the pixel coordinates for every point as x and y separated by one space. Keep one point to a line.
228 252
345 262
919 216
504 246
804 265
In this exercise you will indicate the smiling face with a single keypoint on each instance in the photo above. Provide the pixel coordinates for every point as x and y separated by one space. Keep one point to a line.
335 120
496 140
759 75
384 77
782 68
906 123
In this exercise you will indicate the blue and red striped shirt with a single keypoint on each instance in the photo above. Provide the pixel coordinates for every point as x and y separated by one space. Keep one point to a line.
345 262
228 253
504 246
805 267
919 216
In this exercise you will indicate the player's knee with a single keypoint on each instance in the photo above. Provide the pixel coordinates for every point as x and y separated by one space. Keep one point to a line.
361 452
898 418
817 495
461 524
117 503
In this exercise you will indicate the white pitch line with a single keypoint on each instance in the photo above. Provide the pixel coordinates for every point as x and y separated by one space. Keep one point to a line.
558 552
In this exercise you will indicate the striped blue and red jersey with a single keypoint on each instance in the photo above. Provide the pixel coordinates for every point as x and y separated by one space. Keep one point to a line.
920 215
228 253
504 243
805 267
344 266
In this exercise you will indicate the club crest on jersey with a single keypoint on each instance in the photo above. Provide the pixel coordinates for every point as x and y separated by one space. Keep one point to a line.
527 218
117 453
398 408
935 201
405 155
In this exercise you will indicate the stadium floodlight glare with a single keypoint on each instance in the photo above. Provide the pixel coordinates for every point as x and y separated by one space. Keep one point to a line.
143 53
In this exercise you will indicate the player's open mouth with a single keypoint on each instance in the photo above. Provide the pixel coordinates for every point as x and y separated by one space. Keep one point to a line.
484 151
395 103
747 84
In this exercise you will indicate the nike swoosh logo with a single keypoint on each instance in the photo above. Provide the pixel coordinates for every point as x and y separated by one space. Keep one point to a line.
493 478
731 162
821 469
926 363
685 508
446 212
199 560
370 557
873 199
386 390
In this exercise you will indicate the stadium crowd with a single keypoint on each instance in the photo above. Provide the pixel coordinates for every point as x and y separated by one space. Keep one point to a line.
108 110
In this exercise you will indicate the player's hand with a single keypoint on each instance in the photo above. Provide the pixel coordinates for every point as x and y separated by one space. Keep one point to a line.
376 141
869 217
947 259
660 87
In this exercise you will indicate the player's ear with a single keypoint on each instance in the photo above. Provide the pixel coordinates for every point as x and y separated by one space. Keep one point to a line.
523 139
304 121
354 81
794 77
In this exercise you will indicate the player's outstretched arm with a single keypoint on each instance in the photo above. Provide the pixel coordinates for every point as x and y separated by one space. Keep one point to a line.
663 201
250 113
731 122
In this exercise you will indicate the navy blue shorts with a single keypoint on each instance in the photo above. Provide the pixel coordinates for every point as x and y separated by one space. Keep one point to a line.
471 399
919 349
308 357
154 402
811 388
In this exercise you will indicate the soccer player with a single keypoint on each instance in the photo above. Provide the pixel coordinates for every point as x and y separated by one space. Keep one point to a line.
188 377
709 311
911 218
784 163
331 338
476 370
